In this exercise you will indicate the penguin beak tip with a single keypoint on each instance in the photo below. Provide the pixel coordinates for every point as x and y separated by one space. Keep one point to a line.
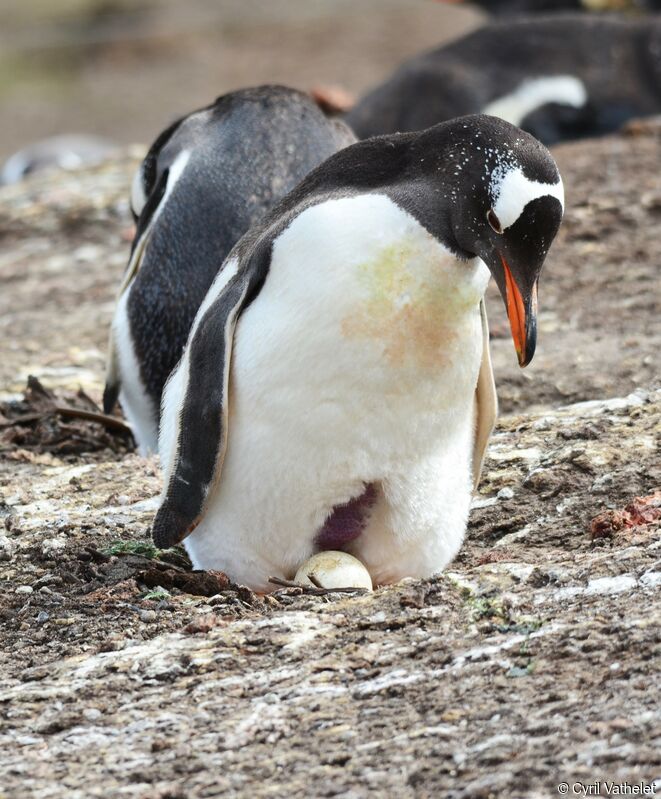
522 316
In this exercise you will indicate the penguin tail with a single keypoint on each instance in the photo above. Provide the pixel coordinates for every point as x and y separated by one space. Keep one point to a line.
110 395
113 381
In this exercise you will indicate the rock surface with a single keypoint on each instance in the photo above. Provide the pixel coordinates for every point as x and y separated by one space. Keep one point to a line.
529 663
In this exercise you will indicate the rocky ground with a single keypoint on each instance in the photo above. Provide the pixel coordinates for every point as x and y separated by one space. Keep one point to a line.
532 661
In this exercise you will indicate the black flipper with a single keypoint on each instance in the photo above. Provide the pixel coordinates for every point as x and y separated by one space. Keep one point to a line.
203 414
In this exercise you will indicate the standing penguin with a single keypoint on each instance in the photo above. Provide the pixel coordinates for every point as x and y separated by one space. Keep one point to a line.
561 77
204 181
336 390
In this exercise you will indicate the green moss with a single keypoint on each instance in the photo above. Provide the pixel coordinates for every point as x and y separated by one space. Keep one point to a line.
157 595
484 607
176 555
144 548
491 608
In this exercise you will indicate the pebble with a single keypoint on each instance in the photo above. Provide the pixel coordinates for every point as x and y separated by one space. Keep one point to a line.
602 484
505 493
43 617
7 548
87 253
147 615
23 589
52 546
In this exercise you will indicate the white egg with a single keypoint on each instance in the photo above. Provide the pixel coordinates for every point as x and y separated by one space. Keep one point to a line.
334 570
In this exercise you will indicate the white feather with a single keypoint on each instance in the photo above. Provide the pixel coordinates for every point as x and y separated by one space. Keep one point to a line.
138 196
356 363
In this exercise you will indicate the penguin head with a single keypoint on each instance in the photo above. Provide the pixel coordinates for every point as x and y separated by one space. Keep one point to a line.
519 226
505 202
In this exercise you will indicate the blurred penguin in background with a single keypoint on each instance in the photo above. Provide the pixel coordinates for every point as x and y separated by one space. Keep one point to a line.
561 77
508 7
68 151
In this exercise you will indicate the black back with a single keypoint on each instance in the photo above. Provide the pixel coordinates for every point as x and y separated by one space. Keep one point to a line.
618 61
248 150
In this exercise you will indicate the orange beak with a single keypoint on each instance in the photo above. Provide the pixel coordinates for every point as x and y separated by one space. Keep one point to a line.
522 319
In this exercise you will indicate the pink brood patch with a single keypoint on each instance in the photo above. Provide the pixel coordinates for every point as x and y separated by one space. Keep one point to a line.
346 522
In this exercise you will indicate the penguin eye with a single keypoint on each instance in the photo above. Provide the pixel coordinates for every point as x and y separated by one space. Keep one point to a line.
493 220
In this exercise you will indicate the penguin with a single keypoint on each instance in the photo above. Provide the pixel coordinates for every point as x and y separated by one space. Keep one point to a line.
562 77
67 151
336 391
203 182
509 7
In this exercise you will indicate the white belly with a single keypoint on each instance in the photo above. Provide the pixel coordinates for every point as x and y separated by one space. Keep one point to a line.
356 363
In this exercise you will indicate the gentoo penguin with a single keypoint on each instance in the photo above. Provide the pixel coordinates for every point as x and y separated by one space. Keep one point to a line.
67 151
561 77
509 7
336 391
204 181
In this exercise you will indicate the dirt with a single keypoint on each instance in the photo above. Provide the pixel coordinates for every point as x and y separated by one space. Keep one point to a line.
599 300
72 425
532 661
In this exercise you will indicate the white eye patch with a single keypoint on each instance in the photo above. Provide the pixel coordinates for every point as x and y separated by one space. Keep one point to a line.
513 191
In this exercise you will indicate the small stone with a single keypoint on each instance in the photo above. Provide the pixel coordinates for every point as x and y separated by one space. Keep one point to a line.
147 615
23 589
52 546
87 253
201 624
7 548
334 570
43 617
517 671
271 698
602 484
505 493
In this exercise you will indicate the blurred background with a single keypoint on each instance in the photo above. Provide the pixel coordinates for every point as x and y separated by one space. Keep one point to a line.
123 69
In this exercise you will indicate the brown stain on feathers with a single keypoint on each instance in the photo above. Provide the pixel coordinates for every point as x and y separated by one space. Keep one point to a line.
406 307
